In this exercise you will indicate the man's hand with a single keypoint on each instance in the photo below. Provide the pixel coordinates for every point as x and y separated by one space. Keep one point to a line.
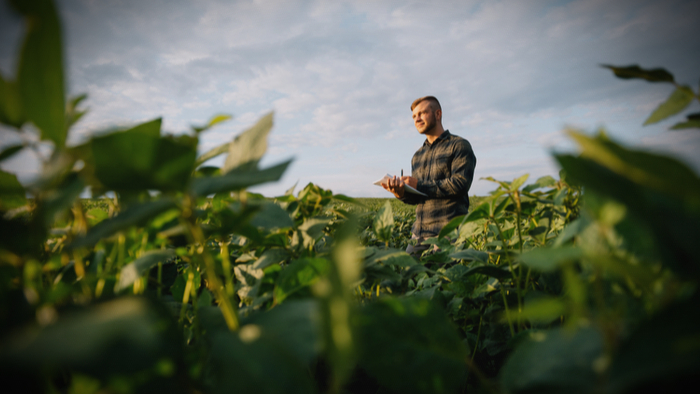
395 186
410 181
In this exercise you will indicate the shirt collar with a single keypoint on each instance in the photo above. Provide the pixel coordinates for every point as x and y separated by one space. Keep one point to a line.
445 134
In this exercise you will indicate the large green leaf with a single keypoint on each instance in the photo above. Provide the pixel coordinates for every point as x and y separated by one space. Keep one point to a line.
134 215
112 338
679 99
249 147
237 179
299 274
137 268
554 361
271 217
40 74
630 72
671 215
663 173
139 159
544 181
409 346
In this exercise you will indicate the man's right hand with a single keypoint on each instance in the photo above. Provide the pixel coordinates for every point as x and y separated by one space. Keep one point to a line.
395 186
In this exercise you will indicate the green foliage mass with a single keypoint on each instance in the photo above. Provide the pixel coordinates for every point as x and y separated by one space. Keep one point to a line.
205 287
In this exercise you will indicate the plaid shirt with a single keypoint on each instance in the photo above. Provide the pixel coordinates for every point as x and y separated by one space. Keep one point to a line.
444 170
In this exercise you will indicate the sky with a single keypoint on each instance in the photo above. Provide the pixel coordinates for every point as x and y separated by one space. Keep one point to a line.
340 77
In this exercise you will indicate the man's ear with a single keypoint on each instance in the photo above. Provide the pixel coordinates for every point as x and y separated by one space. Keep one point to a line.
438 114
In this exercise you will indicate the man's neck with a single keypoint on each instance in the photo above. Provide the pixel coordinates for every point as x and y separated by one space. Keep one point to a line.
434 134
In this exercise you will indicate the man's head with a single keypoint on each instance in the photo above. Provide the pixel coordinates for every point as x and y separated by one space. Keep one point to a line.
427 115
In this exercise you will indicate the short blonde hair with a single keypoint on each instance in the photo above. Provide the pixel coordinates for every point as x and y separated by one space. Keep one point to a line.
434 103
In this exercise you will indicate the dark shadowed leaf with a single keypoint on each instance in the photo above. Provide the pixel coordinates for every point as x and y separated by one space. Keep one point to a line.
299 274
629 72
139 267
121 336
11 112
134 215
679 99
663 353
12 194
40 75
553 361
250 362
409 346
10 151
271 217
237 180
139 159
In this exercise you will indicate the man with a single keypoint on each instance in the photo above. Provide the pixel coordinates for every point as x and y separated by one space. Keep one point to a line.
443 169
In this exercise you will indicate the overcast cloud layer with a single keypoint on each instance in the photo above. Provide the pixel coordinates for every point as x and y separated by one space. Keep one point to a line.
340 77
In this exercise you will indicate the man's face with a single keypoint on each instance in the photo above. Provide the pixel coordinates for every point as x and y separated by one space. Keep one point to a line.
424 117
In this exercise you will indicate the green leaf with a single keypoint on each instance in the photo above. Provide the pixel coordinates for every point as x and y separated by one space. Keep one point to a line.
134 215
299 274
212 153
270 257
409 346
138 159
237 180
12 194
515 185
453 224
40 74
679 99
271 217
249 147
294 324
388 256
471 255
630 72
136 269
660 172
96 215
542 310
216 119
72 114
544 181
11 112
384 222
554 361
692 122
549 259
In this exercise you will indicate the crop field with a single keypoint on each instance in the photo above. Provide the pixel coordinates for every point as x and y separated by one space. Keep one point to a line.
584 283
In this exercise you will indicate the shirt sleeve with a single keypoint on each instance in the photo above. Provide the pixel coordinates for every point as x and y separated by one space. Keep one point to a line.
460 180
